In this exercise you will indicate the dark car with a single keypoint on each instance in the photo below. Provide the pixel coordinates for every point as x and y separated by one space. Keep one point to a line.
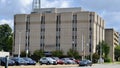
29 61
59 61
3 62
85 63
19 61
68 61
76 60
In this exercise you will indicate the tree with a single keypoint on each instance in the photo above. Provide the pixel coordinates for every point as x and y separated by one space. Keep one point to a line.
95 57
58 53
73 53
105 49
117 53
23 54
6 38
37 54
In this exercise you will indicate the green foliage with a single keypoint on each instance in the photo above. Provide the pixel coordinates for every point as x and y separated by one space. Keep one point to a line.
37 55
107 59
6 38
105 48
23 54
57 53
73 53
117 53
95 57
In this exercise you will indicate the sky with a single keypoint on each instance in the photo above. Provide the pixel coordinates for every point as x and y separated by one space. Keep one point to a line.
109 10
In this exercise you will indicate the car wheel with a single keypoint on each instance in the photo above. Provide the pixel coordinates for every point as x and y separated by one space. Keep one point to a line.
48 63
90 64
40 63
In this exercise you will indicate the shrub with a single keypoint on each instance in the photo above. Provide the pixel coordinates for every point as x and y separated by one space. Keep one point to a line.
37 55
57 53
107 59
95 58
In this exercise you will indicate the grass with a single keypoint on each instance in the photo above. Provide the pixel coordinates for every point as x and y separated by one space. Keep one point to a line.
117 62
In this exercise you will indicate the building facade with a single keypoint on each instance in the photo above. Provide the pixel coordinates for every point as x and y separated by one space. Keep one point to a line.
53 29
112 39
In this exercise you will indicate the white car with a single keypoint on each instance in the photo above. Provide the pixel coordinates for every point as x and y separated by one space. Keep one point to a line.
47 60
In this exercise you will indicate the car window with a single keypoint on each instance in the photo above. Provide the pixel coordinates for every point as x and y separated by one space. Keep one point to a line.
43 58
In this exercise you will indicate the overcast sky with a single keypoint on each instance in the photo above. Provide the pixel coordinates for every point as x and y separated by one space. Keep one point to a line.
109 10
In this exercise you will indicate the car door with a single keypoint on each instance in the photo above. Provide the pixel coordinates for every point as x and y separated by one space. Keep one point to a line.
44 60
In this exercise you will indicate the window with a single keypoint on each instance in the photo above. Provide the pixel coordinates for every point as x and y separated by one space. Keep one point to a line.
47 11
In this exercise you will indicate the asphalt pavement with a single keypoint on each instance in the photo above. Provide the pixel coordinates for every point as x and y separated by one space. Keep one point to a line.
68 66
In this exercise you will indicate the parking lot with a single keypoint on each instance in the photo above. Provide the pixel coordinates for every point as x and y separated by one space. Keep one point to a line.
68 66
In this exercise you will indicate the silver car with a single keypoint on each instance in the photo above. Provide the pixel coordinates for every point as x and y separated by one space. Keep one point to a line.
47 60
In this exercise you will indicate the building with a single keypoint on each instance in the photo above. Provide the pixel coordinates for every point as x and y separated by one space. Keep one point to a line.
119 38
52 29
112 39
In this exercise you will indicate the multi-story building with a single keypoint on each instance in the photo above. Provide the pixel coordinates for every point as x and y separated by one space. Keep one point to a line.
119 38
112 39
52 29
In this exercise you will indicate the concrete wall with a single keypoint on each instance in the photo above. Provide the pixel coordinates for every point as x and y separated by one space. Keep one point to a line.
66 32
35 27
20 32
112 39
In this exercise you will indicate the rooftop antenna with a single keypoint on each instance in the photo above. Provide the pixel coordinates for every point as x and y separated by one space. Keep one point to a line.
36 5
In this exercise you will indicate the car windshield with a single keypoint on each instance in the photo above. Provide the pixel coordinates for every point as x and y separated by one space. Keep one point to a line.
27 59
67 59
49 58
56 58
85 60
20 59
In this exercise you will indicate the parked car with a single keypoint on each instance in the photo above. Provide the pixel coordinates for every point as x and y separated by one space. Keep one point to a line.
68 61
29 61
47 60
76 60
59 61
85 63
19 61
3 62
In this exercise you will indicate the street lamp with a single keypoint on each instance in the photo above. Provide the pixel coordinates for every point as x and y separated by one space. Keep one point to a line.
83 47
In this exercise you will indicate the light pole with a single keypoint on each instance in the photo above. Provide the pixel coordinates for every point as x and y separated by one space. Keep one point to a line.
19 44
83 48
73 42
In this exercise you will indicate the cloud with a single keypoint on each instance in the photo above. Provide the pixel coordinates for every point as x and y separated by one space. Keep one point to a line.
3 21
112 20
3 1
11 7
109 10
55 3
98 5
